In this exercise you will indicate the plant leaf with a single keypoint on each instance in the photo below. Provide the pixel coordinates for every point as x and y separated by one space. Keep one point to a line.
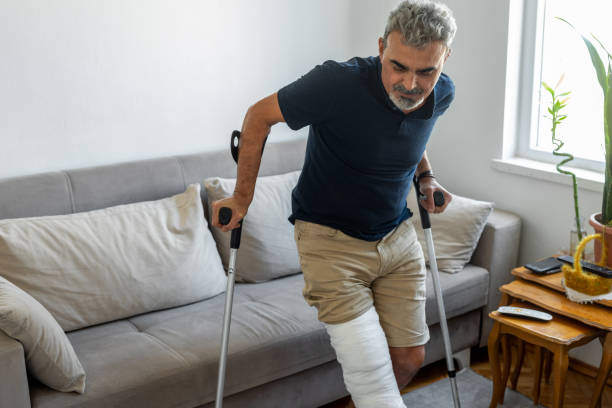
598 65
606 210
548 88
601 45
608 120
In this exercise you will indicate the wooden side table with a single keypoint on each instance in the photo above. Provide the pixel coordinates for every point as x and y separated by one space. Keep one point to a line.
559 336
547 293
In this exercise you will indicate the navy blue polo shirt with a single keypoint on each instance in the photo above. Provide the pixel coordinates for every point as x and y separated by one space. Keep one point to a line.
362 151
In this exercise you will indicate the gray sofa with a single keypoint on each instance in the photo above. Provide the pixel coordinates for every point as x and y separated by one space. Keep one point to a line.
280 354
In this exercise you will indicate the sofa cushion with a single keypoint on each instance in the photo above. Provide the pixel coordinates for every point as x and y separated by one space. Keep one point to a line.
102 265
462 292
267 246
48 352
170 357
455 231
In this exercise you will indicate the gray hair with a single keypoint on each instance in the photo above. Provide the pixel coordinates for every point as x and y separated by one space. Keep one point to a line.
421 22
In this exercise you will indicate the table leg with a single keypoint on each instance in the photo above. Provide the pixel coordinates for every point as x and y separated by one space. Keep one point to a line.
604 370
547 356
506 357
560 363
537 374
519 364
505 299
493 348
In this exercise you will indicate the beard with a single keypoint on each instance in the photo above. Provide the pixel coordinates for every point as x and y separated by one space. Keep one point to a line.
405 102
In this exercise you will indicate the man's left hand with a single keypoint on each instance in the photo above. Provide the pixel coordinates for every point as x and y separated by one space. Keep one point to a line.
428 186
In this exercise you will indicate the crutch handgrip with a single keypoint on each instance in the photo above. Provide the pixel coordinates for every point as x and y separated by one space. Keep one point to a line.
438 202
438 198
225 216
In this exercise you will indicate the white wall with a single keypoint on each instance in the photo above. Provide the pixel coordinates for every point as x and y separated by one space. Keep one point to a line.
96 82
93 82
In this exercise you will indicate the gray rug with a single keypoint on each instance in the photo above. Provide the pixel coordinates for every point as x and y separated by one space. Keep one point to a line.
474 392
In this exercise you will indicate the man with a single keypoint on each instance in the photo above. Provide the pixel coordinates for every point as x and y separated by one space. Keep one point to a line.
370 119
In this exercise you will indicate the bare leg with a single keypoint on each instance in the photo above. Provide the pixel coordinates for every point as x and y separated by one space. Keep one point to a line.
406 363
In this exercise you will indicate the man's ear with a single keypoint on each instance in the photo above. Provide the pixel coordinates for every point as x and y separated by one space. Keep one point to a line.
381 46
448 53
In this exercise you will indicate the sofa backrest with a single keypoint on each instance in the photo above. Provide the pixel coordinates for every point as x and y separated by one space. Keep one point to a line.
87 189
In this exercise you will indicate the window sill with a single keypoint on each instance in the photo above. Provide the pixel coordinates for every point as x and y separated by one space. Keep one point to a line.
586 179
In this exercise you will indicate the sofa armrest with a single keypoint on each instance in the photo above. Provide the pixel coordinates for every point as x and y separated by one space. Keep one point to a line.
497 251
14 389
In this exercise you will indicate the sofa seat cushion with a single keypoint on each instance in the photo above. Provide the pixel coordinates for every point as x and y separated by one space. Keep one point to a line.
170 357
462 292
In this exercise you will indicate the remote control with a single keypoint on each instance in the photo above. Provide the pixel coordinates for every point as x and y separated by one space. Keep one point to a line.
522 312
591 267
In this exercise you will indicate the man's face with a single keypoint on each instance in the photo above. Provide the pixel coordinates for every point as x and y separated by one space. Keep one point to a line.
409 74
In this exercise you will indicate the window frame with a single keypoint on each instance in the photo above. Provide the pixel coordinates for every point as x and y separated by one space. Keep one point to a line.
529 88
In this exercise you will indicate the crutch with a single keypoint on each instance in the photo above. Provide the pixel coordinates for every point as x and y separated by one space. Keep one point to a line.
433 266
225 216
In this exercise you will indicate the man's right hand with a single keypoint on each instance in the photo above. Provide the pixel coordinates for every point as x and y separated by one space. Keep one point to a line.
239 209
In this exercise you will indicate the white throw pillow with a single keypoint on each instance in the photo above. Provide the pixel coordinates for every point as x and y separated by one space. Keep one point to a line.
267 247
455 231
97 266
48 352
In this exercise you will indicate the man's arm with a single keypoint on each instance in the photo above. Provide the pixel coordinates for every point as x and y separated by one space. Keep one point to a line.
429 185
256 126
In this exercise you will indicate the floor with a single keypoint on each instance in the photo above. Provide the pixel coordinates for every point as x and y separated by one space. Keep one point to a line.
577 390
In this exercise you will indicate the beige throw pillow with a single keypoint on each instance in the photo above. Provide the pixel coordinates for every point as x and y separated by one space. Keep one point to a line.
97 266
48 352
267 247
455 231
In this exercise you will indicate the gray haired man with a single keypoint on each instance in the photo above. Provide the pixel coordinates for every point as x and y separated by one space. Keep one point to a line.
370 120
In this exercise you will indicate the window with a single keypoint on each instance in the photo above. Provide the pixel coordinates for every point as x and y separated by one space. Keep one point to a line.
550 49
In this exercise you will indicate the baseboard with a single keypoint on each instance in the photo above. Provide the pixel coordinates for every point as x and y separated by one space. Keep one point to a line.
586 369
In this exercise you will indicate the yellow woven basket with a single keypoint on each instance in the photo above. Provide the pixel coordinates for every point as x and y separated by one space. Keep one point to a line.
583 281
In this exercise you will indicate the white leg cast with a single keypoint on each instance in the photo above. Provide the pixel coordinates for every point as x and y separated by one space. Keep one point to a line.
363 353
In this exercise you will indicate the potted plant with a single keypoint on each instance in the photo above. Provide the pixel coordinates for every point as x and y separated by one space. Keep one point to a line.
602 222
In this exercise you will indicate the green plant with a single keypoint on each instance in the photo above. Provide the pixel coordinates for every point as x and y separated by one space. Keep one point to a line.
557 118
605 81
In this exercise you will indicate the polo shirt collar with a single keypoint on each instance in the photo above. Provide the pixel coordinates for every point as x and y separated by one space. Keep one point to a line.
424 112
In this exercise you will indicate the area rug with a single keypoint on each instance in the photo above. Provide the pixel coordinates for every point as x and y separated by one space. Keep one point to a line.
474 392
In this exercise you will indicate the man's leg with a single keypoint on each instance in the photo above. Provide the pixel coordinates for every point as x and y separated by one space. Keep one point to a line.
338 271
406 363
399 297
362 351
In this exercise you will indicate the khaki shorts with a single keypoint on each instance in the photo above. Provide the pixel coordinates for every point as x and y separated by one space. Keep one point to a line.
345 276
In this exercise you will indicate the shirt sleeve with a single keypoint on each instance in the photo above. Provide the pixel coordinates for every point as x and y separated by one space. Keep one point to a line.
312 98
